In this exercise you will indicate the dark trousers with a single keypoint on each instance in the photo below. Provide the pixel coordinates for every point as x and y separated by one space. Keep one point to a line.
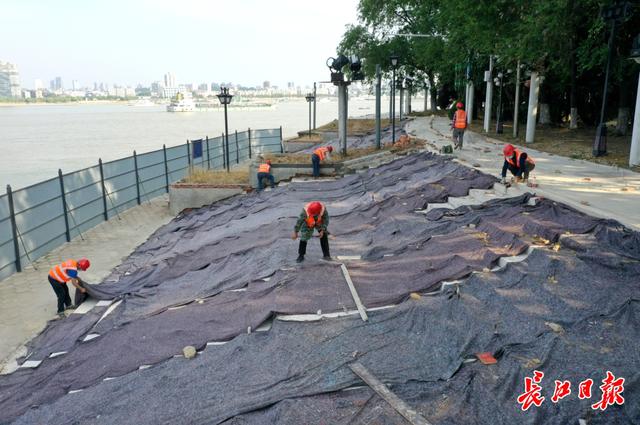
62 292
324 244
268 176
525 172
315 161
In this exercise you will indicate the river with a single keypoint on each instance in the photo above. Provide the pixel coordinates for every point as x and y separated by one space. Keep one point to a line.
37 140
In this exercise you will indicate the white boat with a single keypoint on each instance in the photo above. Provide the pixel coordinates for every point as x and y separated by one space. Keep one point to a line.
183 102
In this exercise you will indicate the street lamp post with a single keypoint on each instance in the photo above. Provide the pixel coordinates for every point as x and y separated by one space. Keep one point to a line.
314 105
613 14
498 81
394 64
225 98
310 99
634 154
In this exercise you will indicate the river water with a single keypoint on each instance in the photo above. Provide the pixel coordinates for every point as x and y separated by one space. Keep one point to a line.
37 140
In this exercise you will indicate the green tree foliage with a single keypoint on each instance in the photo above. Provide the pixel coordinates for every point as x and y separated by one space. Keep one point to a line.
564 40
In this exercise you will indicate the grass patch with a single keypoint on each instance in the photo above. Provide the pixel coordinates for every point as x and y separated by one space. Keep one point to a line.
201 176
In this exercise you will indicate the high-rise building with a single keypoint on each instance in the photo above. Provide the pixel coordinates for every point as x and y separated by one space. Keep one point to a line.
75 85
290 85
58 84
9 80
266 85
170 80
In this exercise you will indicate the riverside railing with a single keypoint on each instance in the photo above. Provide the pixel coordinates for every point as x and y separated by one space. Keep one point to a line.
38 218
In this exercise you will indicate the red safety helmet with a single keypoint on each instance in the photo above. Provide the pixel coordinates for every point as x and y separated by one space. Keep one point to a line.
83 264
508 150
314 208
269 161
330 148
459 105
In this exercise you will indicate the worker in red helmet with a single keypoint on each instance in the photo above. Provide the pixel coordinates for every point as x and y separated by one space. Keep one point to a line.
519 163
320 154
65 272
264 172
458 125
313 216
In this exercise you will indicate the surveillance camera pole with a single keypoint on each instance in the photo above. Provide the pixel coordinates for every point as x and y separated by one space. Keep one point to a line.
343 113
378 107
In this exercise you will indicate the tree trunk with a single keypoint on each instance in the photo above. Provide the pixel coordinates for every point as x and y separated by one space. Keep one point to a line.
426 99
623 108
573 101
545 114
432 92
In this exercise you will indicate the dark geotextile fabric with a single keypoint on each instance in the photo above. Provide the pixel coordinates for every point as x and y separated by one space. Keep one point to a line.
419 348
200 260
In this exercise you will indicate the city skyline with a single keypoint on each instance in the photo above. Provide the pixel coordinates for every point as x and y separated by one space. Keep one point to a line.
131 43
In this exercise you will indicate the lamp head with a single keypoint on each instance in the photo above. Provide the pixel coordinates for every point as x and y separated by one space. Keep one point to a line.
394 60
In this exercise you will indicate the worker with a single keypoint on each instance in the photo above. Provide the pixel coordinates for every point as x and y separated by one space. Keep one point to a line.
320 154
264 172
459 124
313 216
61 274
519 163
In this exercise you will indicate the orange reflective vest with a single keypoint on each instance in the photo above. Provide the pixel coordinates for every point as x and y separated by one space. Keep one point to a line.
59 272
264 168
321 152
517 161
460 119
311 220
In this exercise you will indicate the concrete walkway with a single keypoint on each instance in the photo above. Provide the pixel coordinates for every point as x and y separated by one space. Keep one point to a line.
599 190
27 300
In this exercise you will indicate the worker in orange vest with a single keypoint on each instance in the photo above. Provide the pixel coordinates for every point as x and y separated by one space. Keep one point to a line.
320 154
313 216
264 172
61 274
519 163
459 124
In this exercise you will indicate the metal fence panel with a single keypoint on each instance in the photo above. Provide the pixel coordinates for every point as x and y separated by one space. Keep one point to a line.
120 183
266 140
216 152
7 255
39 218
177 162
151 173
83 192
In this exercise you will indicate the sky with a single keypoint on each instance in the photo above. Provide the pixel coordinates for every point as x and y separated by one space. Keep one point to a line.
137 41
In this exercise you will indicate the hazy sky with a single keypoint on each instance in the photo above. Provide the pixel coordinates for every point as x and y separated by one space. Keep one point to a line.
137 41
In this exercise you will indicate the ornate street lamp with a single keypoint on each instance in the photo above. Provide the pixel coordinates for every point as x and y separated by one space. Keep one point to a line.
310 99
394 64
225 98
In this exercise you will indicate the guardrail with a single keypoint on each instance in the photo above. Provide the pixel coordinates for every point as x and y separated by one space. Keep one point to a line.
38 218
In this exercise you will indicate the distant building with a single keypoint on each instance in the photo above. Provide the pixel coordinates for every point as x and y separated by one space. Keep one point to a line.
9 80
38 85
266 85
75 85
170 80
156 88
290 85
170 92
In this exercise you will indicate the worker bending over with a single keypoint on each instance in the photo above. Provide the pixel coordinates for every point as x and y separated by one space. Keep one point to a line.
519 163
313 216
264 172
459 124
61 274
318 155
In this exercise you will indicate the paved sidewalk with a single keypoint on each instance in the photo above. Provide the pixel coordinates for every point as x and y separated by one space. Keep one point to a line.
598 190
26 299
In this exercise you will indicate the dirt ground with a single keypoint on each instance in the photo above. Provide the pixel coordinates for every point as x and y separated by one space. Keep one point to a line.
577 144
355 126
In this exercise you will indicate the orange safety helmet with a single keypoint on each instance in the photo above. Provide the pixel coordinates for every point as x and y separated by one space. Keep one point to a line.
314 208
508 150
83 264
330 148
459 105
